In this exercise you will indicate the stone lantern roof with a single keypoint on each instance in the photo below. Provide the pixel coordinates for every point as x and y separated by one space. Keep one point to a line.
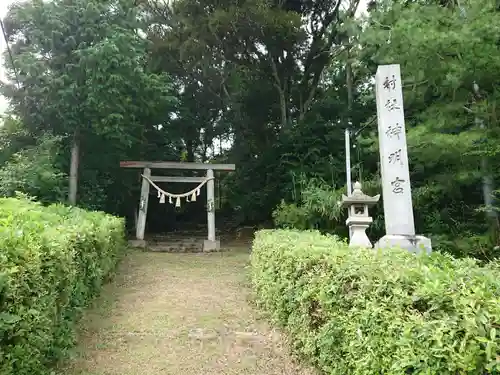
358 197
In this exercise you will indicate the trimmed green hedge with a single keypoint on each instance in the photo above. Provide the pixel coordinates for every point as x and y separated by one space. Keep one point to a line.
368 312
53 261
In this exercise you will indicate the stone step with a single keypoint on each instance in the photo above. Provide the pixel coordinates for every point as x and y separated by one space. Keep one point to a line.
203 231
176 240
175 249
179 238
184 235
176 244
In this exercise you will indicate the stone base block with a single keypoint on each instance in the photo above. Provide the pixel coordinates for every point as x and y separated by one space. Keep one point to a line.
414 244
209 246
137 243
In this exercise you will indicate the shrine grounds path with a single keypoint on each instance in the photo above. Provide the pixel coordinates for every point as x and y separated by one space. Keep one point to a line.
179 314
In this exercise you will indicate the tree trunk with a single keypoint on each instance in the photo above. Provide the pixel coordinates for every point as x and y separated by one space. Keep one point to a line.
349 83
190 150
281 92
487 178
283 106
73 172
488 189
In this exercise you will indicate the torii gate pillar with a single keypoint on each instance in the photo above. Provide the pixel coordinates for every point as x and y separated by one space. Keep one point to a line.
211 244
143 207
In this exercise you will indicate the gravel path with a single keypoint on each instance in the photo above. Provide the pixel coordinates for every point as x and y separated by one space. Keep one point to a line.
179 314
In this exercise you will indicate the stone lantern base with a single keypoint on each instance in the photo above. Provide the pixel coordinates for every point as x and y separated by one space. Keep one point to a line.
357 228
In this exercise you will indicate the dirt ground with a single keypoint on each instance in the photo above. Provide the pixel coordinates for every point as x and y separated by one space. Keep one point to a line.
179 314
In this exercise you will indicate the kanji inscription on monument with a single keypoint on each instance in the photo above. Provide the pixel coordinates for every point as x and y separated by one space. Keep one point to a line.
396 188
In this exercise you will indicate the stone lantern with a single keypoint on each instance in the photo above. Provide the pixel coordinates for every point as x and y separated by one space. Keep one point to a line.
358 219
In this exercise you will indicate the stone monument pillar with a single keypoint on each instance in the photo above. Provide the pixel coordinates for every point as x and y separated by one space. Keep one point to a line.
396 186
358 219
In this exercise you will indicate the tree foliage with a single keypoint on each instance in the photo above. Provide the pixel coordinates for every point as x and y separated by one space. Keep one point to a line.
80 71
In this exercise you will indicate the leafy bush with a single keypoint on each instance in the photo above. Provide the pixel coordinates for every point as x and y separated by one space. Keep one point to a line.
317 207
53 261
33 171
365 312
480 247
291 216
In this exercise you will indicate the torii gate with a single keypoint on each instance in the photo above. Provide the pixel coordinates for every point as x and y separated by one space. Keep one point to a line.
147 179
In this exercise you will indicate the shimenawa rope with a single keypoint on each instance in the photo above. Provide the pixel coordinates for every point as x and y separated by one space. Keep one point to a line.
193 193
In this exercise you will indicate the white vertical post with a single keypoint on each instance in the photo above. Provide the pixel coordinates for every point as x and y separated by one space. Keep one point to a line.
143 206
396 187
348 168
348 162
211 205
